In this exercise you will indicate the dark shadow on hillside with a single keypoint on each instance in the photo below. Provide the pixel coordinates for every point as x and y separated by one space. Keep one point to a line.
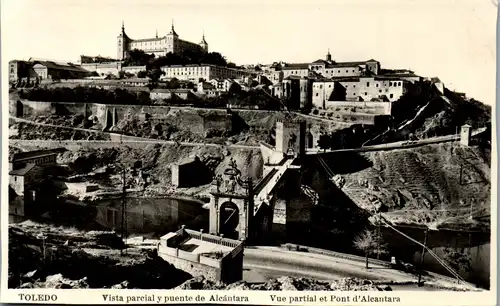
346 162
238 124
336 219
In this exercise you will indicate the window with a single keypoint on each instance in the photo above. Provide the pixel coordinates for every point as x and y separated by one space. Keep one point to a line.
15 178
399 83
390 83
347 71
354 93
338 71
376 85
366 93
391 95
11 70
317 94
380 90
367 84
320 86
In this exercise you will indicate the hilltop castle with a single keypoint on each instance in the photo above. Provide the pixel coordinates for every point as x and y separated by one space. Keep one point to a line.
159 46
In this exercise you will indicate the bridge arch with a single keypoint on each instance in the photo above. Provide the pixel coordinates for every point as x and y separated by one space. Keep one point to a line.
229 219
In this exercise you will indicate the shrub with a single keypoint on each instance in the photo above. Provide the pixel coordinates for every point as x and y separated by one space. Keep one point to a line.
315 112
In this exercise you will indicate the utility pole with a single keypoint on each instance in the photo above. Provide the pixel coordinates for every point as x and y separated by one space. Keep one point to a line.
123 209
378 235
419 283
461 171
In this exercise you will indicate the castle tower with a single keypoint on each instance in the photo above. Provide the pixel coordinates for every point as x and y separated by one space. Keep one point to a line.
291 137
122 44
203 43
172 38
328 56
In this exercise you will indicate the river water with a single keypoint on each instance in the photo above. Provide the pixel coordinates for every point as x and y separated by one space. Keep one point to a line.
475 244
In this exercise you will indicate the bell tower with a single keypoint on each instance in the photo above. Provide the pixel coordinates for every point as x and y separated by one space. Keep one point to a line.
203 43
122 44
328 56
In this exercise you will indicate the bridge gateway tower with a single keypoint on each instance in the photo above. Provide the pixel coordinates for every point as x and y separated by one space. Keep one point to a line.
291 137
232 210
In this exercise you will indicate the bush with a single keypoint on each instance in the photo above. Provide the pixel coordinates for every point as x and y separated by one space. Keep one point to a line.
315 111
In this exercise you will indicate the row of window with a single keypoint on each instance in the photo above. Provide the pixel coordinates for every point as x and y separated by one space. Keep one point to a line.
366 93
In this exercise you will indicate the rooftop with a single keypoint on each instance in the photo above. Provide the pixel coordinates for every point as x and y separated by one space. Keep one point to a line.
33 154
22 171
60 66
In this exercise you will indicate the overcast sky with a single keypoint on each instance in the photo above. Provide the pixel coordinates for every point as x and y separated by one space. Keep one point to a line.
452 39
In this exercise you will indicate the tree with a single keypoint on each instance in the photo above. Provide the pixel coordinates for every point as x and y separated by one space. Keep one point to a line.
235 88
155 74
121 74
142 74
324 142
460 262
370 243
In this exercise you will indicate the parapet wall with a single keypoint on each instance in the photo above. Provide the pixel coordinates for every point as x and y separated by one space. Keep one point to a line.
110 114
192 267
376 108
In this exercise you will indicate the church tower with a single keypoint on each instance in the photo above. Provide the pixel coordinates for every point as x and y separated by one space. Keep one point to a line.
204 44
122 44
328 56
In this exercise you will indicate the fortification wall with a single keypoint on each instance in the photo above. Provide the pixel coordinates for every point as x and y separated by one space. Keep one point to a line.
377 108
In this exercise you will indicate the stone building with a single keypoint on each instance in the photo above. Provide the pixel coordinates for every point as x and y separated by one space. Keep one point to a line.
363 89
56 71
159 46
20 70
206 72
182 173
26 175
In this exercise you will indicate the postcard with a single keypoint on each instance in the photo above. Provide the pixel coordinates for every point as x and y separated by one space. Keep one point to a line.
249 152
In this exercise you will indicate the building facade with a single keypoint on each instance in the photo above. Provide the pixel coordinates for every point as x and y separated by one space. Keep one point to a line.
206 72
363 89
49 70
26 173
19 70
159 46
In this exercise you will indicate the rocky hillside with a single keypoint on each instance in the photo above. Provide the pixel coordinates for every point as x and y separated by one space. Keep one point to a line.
155 162
45 256
438 184
287 283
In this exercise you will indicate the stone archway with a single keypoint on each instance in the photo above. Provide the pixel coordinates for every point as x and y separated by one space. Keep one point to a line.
310 140
19 109
229 219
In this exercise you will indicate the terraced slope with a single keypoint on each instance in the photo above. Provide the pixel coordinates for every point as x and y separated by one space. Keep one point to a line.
433 184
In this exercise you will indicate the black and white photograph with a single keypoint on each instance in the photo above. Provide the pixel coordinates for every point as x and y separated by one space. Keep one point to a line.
234 147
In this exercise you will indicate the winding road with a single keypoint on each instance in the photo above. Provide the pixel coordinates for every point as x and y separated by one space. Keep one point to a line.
262 263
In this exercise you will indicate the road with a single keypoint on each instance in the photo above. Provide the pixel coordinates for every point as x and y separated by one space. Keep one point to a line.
398 144
119 139
263 263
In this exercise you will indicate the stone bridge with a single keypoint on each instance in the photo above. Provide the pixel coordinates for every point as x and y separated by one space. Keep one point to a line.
243 210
